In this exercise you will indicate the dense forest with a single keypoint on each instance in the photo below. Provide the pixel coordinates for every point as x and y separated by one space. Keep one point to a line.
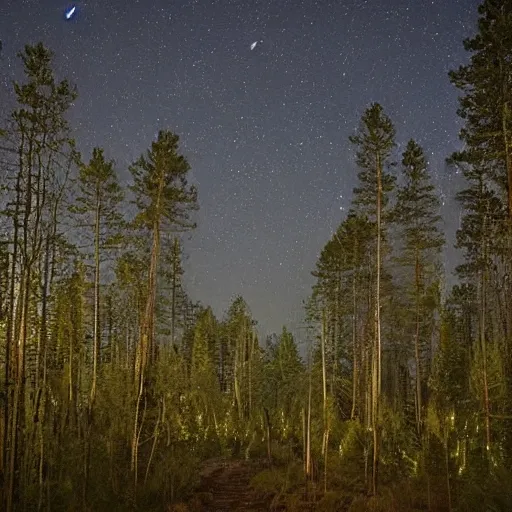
116 387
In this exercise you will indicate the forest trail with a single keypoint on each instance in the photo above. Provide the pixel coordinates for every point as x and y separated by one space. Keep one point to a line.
228 483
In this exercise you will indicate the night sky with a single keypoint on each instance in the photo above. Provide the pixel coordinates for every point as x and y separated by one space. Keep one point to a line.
265 130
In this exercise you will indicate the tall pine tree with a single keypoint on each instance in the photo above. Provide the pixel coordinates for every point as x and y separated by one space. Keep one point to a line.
417 212
486 162
98 204
485 105
165 201
375 141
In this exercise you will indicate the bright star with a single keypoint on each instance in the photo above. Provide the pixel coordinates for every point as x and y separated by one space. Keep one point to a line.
70 12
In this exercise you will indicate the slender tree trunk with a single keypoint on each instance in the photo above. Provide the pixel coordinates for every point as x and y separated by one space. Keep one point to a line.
251 353
156 434
324 381
96 324
236 383
417 345
376 376
146 332
11 327
26 276
173 303
355 367
483 336
336 330
269 436
483 347
308 431
447 473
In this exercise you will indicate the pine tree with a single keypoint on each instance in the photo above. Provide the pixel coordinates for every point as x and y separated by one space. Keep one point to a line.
486 162
175 296
287 368
38 134
478 236
131 294
485 106
375 141
417 212
238 354
165 201
98 206
205 389
341 272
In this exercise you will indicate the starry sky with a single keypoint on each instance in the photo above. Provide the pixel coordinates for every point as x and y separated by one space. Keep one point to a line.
265 130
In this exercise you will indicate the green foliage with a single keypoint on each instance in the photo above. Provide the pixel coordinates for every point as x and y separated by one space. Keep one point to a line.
391 499
41 97
375 141
485 236
282 386
491 492
480 229
160 185
417 207
333 501
99 199
484 82
278 481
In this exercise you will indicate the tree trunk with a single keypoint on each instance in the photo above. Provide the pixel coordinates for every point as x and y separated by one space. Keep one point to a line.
308 431
96 325
269 436
376 366
483 347
483 335
11 324
324 381
355 368
173 303
417 346
146 332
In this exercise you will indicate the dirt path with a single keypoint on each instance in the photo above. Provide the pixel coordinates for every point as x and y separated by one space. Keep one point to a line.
227 484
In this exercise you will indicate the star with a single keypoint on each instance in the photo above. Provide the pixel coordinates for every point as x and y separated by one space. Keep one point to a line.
70 12
140 70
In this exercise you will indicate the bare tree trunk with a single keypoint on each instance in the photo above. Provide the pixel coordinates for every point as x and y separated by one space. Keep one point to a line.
146 334
173 301
447 472
336 330
355 367
324 380
417 346
376 366
96 323
11 325
251 354
26 276
155 441
483 335
483 347
308 431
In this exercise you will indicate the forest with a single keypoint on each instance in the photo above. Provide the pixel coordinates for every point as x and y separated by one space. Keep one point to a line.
117 390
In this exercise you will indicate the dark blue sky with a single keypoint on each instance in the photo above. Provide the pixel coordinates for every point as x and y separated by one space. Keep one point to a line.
265 130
